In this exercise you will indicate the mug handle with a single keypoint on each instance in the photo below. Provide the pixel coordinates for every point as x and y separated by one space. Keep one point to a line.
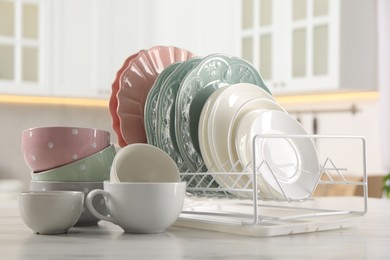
91 208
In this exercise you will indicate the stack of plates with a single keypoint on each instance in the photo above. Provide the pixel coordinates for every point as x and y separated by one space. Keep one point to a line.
231 119
131 87
205 112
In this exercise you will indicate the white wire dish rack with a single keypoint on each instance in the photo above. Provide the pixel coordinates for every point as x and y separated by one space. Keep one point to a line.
239 202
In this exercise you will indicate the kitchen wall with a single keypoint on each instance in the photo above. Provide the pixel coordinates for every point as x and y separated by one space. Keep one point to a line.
16 117
334 117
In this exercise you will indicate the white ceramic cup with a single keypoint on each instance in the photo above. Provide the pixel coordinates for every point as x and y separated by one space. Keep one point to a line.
140 207
143 163
86 217
50 212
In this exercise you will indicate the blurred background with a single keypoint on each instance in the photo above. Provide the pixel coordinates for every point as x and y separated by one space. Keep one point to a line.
322 59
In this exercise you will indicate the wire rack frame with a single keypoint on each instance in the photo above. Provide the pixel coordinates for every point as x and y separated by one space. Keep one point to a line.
231 187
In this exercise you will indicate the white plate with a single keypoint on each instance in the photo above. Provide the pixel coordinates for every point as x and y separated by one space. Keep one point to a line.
293 161
250 105
214 123
221 115
204 145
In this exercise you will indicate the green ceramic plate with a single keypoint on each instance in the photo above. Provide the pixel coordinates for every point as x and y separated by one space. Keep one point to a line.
150 110
166 137
213 72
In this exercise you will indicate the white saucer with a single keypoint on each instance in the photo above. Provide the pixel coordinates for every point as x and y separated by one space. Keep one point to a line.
293 162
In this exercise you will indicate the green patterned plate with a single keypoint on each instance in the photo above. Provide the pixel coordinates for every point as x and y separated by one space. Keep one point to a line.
166 138
213 72
150 110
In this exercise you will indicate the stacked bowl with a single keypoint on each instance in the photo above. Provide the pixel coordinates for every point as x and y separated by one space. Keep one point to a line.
69 159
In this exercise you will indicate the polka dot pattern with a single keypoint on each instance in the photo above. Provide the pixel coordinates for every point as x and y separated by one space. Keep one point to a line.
46 148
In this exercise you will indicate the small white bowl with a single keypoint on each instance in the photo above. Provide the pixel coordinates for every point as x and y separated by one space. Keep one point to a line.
86 218
143 163
50 212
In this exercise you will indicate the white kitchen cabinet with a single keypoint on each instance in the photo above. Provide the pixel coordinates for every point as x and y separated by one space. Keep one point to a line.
84 43
80 48
93 38
55 48
23 61
311 45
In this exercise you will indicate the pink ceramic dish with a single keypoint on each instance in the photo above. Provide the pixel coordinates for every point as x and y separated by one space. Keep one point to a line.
135 83
45 148
113 103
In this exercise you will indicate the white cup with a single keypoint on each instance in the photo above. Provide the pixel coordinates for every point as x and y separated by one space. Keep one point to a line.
50 212
140 207
143 163
86 218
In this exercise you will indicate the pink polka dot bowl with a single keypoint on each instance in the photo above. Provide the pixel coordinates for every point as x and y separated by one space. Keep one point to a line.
50 147
93 168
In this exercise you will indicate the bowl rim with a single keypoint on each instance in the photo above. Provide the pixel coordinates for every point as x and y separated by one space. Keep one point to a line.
65 127
97 154
51 193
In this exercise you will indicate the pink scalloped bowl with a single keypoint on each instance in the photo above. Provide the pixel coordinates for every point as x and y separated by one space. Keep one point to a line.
135 83
46 148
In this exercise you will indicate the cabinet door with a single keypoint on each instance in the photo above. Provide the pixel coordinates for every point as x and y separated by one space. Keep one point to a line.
294 44
23 43
261 36
80 52
313 44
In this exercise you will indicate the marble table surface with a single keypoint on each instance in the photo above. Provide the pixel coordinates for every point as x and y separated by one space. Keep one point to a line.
370 240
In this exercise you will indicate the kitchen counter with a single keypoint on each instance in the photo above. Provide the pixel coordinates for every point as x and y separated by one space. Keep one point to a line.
370 240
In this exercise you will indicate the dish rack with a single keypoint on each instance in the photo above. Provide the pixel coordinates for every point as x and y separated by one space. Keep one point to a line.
251 209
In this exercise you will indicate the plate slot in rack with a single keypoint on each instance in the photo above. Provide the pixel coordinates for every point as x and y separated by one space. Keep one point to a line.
241 202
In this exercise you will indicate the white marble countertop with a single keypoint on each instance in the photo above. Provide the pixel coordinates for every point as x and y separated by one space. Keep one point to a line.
370 240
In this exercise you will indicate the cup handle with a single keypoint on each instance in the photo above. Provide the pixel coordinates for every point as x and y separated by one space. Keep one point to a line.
91 208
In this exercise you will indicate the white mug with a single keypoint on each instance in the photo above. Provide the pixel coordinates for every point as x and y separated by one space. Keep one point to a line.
140 207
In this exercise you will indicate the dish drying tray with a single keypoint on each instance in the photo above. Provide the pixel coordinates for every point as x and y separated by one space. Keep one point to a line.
232 207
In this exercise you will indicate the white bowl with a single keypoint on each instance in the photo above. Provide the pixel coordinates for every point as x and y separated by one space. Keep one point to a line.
50 212
86 218
143 163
